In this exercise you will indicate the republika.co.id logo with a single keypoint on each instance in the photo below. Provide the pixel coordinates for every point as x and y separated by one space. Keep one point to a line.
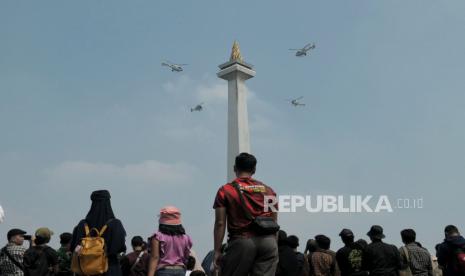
339 203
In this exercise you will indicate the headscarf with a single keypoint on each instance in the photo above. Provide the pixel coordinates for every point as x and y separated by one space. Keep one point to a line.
100 211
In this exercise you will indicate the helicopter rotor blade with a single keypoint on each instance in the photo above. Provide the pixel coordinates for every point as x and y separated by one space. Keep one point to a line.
308 46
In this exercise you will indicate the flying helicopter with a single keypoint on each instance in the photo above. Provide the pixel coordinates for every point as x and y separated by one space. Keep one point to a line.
296 102
174 67
198 107
303 51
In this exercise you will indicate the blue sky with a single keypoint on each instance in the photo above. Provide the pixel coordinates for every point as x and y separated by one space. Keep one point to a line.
85 104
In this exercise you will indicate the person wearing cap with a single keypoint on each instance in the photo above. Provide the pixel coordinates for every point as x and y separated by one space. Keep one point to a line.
323 261
170 245
349 257
64 255
379 258
11 256
99 215
41 259
236 203
136 263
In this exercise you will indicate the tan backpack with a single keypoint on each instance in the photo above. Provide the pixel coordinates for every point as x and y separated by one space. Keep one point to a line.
91 259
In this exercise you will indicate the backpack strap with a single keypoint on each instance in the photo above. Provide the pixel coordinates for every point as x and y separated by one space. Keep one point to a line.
241 196
407 257
86 230
104 228
141 254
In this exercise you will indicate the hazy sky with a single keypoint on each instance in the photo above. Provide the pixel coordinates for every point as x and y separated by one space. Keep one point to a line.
85 105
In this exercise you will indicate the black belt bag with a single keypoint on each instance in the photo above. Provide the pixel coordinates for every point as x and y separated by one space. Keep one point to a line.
261 225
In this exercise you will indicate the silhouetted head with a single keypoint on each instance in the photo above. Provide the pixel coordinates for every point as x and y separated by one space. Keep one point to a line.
451 231
323 242
65 238
408 236
376 233
311 247
362 243
282 237
245 164
137 243
347 236
197 273
293 241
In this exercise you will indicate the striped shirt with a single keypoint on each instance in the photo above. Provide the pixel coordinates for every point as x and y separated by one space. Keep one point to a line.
419 260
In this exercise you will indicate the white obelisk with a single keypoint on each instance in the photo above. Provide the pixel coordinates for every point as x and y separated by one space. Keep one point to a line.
236 72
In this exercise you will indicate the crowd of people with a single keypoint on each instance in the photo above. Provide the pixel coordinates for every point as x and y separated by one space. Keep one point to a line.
255 244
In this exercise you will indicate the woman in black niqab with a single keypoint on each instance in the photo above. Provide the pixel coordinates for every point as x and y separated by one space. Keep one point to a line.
101 213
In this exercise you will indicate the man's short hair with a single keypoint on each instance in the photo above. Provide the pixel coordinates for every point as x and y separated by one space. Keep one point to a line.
41 240
408 235
347 239
293 241
451 229
245 162
137 241
323 241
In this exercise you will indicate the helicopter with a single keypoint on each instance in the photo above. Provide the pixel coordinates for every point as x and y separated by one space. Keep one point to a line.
198 107
303 51
174 67
295 102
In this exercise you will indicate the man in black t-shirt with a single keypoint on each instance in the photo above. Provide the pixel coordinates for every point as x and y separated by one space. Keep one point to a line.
349 257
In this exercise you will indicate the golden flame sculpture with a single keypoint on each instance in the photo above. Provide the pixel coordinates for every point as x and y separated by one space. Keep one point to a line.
236 53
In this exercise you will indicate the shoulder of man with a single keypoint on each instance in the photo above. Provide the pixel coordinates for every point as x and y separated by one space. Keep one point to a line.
331 252
52 254
49 250
424 250
268 189
344 250
370 247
